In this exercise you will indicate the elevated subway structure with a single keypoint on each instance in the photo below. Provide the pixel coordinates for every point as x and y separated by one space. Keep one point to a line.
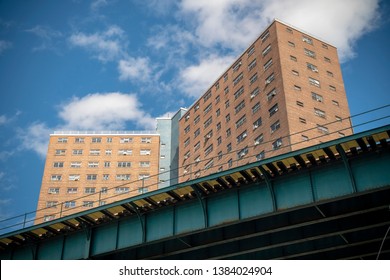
329 201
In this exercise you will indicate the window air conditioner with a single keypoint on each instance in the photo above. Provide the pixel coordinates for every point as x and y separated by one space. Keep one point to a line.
257 142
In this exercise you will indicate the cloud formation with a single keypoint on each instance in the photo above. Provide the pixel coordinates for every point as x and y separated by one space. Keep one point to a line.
4 45
48 37
138 69
105 111
108 45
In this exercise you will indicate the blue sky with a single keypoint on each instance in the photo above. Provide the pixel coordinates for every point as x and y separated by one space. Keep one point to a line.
101 64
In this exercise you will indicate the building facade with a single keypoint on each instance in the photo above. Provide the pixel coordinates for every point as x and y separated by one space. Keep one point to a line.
89 169
284 93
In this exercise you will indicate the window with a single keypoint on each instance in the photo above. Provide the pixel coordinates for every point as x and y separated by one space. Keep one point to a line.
144 164
124 164
271 94
219 140
74 177
88 204
264 36
239 92
330 74
327 59
277 144
60 152
300 104
109 139
187 129
217 99
106 177
51 204
122 189
252 65
268 64
259 139
93 164
269 79
187 117
89 190
54 190
228 132
240 106
227 118
75 164
266 50
208 135
242 153
208 150
58 164
208 109
207 96
325 46
143 176
196 107
332 88
227 104
291 44
255 92
319 113
241 137
335 103
208 122
293 58
338 118
220 155
101 203
96 139
197 119
146 140
122 177
226 90
47 218
56 177
295 73
289 30
256 108
197 146
143 190
125 152
237 66
341 134
297 88
209 164
302 120
317 97
94 152
91 177
70 204
253 79
305 138
238 79
310 53
225 77
257 123
273 110
77 152
322 129
314 82
216 86
230 163
62 140
312 67
187 142
144 152
71 190
251 51
241 121
275 126
260 156
307 40
229 147
187 155
197 132
79 140
108 152
218 126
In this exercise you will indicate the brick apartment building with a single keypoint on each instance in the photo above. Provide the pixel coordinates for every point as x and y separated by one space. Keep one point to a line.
283 93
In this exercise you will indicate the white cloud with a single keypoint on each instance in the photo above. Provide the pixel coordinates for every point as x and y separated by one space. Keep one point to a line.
234 23
196 79
106 46
4 45
48 36
105 111
135 69
6 120
35 138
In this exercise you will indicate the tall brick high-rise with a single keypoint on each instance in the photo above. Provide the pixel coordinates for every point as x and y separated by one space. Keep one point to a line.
284 92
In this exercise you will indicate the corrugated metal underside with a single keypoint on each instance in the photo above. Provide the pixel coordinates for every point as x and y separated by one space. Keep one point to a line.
329 201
